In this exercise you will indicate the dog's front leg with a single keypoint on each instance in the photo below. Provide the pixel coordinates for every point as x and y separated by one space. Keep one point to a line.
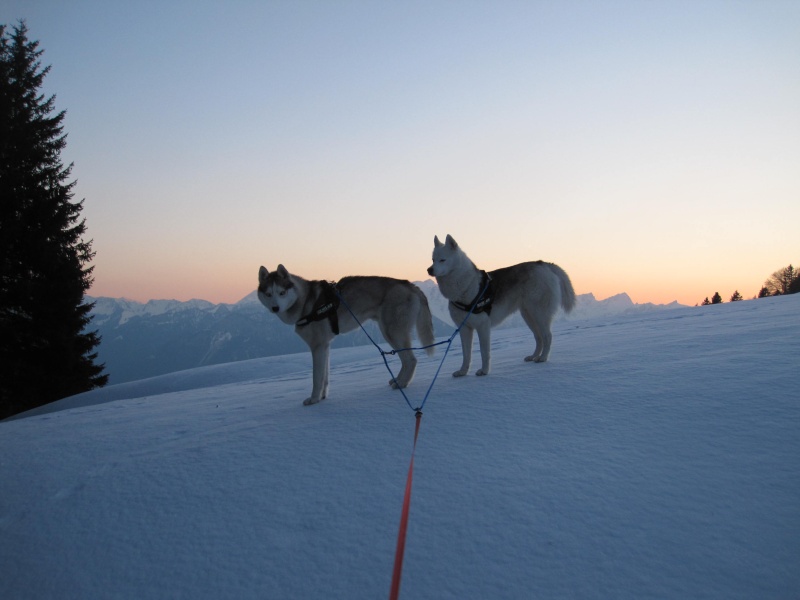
327 372
320 361
466 350
485 341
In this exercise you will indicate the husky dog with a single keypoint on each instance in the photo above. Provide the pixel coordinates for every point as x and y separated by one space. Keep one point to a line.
320 310
535 289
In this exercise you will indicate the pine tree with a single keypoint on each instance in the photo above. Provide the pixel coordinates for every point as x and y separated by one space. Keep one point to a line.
763 292
794 286
706 302
736 296
45 352
716 298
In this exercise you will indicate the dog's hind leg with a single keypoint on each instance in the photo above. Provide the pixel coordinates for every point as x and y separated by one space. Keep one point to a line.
409 366
408 362
542 335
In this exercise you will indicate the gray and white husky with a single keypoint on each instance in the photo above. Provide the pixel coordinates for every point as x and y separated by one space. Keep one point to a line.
320 310
535 289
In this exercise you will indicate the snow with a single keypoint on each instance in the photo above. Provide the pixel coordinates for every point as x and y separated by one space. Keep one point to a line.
657 455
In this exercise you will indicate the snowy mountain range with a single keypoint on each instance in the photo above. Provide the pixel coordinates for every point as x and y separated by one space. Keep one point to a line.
141 340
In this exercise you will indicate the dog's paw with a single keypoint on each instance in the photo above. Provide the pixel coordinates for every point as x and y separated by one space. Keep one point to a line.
535 358
481 372
460 373
310 401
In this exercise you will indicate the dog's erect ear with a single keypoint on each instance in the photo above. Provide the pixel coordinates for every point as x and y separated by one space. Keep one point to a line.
436 242
282 271
262 274
451 242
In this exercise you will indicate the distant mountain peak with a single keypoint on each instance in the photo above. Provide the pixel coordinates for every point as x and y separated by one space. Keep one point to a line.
618 299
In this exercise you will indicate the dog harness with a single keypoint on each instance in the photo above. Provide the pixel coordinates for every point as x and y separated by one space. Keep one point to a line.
483 301
325 307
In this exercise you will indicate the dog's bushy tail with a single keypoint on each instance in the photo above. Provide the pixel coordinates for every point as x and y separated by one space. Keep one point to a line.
567 291
425 323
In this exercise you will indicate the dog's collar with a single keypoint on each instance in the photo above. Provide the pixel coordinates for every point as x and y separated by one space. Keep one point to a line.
483 301
325 307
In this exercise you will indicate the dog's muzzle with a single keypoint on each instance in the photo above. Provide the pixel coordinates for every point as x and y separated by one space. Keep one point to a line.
430 270
275 309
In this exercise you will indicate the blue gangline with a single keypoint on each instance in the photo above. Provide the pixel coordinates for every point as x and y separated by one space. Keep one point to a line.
448 341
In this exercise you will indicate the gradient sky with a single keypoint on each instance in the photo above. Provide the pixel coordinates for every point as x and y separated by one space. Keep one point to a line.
646 147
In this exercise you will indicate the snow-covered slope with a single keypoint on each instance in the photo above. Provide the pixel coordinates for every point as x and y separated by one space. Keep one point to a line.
657 455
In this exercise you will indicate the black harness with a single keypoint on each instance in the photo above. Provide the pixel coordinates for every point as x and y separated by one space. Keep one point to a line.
325 307
483 301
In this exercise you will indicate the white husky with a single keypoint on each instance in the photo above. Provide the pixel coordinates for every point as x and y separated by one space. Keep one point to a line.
319 310
535 289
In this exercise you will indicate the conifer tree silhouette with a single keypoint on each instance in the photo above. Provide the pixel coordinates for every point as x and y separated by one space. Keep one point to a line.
45 351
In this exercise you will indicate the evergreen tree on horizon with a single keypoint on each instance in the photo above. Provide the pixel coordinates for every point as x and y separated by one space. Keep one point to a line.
45 351
716 298
794 285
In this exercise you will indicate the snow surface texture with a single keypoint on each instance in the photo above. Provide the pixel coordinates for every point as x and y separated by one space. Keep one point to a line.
656 455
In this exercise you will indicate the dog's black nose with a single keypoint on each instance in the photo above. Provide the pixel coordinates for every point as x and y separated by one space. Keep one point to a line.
275 309
430 270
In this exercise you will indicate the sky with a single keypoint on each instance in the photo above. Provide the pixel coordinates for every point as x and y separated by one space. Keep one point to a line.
650 148
577 478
